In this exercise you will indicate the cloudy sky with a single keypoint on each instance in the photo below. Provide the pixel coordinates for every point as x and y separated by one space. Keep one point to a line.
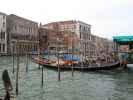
107 17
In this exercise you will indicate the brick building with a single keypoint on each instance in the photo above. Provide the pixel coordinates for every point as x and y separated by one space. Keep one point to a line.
81 30
50 39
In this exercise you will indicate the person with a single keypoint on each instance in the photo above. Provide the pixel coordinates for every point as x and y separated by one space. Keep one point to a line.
6 81
7 84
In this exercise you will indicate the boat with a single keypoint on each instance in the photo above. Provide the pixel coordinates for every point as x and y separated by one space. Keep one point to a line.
67 65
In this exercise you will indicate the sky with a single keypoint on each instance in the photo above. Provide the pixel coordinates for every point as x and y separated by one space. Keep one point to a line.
107 17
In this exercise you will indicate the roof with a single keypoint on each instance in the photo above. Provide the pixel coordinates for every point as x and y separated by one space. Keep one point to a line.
61 22
1 13
123 39
67 22
20 18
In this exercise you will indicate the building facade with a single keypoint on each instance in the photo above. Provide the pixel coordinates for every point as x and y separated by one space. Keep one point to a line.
104 48
77 35
22 32
49 40
92 47
3 34
81 30
43 39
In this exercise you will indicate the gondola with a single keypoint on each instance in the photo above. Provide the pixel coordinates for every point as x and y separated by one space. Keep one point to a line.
77 67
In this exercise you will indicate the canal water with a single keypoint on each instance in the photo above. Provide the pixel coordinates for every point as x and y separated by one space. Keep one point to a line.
101 85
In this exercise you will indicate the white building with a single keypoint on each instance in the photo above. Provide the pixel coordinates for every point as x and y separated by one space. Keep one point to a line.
3 34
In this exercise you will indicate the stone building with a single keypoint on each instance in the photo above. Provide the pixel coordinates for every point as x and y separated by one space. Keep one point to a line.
23 32
104 48
3 34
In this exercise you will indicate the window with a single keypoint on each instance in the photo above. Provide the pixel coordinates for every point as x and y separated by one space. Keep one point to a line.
3 47
0 47
74 26
80 35
80 27
84 28
29 30
4 17
2 35
15 27
3 24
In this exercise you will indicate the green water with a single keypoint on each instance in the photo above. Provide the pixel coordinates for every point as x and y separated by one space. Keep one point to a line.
102 85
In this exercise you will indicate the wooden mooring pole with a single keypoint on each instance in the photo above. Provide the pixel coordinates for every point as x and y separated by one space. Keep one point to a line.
13 58
38 54
39 48
58 68
27 58
38 58
72 58
17 72
42 76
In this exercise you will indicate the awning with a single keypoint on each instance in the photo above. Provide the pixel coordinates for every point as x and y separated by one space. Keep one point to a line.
123 39
70 57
